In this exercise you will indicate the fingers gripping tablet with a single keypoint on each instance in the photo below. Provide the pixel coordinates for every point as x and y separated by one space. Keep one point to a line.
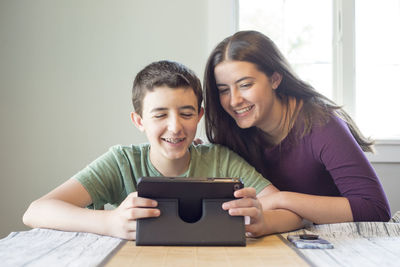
189 191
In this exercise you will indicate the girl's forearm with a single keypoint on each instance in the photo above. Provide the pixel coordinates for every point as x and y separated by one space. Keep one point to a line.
281 220
61 215
317 209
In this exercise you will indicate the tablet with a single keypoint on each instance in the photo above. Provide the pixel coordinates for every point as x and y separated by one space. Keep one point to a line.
189 191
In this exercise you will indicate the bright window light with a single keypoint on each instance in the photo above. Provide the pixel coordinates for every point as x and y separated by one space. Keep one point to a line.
304 35
303 30
378 67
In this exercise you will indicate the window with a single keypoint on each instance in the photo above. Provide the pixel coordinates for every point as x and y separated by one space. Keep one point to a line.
378 67
305 38
346 49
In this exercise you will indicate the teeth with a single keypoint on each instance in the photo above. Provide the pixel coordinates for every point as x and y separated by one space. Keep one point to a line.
173 140
240 111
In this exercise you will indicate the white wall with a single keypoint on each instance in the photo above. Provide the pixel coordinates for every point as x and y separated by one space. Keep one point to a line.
66 70
389 175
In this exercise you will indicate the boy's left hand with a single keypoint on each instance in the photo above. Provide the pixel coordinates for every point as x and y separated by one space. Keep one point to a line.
248 204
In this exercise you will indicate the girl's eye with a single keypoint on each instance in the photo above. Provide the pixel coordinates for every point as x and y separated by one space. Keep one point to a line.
223 90
246 85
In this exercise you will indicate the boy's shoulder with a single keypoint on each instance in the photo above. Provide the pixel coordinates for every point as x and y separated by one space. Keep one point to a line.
208 148
130 149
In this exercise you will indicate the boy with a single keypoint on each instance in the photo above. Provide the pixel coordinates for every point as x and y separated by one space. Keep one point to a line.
167 100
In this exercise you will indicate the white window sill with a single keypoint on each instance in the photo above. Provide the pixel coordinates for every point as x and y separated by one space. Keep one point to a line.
386 151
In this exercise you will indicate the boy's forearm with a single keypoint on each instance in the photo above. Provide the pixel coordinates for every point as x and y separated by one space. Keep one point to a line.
60 215
281 220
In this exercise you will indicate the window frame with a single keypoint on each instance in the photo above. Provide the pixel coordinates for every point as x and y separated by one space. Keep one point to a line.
223 20
343 58
344 74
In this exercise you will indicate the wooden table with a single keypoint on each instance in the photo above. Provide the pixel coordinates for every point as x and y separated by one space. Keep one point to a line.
267 251
367 244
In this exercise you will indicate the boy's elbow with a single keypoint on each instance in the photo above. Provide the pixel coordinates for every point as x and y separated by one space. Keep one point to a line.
27 218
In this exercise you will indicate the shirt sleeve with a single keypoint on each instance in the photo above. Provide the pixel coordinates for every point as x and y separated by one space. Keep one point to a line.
236 166
355 178
102 179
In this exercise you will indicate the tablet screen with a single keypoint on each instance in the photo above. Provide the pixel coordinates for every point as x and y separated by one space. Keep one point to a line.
189 191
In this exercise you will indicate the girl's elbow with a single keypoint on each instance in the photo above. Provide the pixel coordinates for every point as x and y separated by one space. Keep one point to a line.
383 212
386 216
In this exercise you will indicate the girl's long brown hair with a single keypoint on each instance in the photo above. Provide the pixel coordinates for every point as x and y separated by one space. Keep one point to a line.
311 106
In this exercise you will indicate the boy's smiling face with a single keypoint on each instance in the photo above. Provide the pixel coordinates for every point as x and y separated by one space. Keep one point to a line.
169 119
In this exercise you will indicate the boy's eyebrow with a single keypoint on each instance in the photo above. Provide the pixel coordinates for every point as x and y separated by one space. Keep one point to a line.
158 109
163 109
238 81
188 107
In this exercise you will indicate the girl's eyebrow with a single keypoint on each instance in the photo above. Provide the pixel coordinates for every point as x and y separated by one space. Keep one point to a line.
238 81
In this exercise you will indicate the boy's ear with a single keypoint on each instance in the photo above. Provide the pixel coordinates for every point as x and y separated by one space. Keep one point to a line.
276 79
201 113
137 120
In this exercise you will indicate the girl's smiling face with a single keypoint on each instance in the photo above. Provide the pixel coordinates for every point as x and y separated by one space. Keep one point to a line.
248 95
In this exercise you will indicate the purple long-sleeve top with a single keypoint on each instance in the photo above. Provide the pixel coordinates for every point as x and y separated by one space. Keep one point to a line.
329 162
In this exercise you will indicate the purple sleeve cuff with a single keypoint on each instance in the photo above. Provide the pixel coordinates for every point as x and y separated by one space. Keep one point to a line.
369 210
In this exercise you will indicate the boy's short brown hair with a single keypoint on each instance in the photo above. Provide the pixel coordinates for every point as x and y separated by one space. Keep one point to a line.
164 73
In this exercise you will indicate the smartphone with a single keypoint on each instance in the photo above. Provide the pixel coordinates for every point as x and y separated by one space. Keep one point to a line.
309 241
190 191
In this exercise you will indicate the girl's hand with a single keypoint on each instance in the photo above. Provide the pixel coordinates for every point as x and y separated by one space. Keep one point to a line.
247 204
197 141
122 220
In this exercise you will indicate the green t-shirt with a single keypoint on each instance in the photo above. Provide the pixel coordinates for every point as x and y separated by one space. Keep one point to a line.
111 177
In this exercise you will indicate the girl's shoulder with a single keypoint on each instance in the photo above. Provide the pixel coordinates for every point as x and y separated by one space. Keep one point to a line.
332 125
334 134
318 131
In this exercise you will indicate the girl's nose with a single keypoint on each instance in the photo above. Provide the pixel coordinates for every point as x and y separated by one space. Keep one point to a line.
236 97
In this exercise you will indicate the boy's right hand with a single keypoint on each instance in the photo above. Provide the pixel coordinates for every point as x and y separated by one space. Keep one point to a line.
122 220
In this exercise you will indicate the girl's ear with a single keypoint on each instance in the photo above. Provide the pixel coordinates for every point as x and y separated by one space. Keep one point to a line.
276 79
137 120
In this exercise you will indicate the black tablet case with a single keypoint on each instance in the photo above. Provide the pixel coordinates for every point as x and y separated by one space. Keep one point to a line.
190 213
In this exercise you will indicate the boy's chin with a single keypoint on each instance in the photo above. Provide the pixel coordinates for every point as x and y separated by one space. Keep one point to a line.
176 155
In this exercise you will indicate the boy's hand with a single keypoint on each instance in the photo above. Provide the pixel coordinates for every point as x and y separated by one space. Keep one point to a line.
248 205
122 220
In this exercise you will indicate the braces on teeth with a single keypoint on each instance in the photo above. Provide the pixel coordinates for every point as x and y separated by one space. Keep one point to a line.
173 140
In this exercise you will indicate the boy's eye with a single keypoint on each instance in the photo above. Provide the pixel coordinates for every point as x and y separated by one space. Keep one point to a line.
187 115
158 116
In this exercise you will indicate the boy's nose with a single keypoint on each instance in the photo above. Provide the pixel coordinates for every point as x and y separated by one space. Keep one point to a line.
174 125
